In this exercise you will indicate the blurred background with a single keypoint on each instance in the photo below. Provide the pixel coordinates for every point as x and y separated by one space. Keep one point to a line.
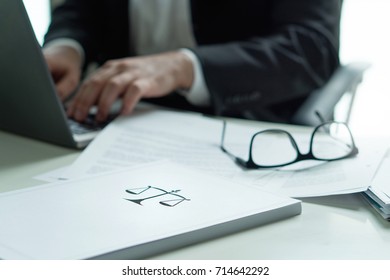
364 38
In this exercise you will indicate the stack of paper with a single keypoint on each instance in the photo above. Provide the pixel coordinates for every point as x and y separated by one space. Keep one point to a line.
378 194
131 213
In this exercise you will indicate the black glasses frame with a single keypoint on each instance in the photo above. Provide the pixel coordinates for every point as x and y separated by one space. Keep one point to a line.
250 164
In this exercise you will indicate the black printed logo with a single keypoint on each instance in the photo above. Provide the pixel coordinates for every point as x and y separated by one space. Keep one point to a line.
165 198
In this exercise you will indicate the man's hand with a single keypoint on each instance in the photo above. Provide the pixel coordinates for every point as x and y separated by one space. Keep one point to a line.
65 66
131 79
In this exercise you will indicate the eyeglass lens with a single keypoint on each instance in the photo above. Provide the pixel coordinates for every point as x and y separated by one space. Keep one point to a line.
271 148
332 141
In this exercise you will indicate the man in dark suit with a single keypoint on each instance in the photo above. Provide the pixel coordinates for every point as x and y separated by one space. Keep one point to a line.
256 59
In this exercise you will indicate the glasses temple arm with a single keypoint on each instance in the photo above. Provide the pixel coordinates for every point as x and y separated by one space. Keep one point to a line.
223 136
322 120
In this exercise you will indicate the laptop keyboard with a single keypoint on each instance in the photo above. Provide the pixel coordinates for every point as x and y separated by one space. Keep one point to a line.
87 126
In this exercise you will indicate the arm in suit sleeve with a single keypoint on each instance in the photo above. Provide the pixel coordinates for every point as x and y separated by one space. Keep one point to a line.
266 77
91 24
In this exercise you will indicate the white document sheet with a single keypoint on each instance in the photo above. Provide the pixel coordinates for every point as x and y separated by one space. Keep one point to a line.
132 213
193 140
150 135
52 176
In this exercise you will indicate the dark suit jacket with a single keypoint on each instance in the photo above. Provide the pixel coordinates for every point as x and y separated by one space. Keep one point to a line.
261 58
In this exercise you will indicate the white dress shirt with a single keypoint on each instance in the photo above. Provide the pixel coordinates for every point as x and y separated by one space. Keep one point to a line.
165 25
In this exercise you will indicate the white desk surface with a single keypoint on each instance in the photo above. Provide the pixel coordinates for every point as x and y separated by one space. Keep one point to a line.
338 227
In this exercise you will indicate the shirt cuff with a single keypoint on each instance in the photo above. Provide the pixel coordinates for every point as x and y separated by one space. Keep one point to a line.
198 94
65 42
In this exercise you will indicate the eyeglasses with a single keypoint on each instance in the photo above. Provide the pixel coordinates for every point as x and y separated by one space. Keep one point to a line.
273 148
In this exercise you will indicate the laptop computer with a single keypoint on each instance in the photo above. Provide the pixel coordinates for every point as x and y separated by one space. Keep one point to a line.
29 105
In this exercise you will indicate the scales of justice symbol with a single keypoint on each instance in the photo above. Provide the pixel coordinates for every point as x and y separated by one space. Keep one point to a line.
169 202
